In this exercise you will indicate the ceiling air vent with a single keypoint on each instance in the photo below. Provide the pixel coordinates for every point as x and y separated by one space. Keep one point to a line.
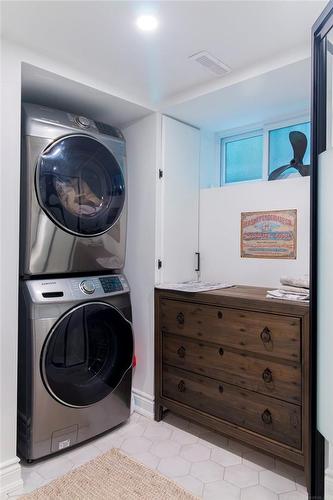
210 62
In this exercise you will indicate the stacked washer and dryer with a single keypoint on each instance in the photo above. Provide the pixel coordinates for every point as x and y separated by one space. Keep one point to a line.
75 332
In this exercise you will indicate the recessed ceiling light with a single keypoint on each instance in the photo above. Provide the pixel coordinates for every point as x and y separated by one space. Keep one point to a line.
147 23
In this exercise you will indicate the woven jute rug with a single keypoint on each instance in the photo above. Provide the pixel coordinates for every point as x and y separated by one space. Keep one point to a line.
112 476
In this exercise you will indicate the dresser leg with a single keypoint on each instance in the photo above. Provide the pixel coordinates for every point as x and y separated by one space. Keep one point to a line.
158 412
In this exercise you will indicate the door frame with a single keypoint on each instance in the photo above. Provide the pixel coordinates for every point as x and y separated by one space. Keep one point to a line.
318 144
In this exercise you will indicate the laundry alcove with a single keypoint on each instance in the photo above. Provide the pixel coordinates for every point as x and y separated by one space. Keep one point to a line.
158 224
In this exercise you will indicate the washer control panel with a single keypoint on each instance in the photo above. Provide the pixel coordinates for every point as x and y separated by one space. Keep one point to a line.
72 289
82 121
111 284
87 286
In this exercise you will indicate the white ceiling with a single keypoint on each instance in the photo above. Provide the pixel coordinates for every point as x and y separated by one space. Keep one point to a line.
277 94
100 38
48 89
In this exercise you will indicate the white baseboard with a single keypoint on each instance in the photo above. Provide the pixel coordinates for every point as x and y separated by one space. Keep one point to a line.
143 403
329 484
10 476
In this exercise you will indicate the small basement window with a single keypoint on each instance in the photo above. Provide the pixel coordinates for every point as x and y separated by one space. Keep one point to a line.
280 149
254 155
242 158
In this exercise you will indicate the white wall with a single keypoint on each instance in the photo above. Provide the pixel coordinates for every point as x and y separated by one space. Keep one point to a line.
329 471
209 162
220 211
9 252
142 140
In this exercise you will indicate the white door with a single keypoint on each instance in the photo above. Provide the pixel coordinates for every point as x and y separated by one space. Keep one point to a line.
178 223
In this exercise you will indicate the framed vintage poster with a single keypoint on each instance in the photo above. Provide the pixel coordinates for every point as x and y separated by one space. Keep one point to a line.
269 235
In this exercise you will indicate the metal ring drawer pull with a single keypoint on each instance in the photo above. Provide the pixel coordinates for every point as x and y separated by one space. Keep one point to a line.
266 335
181 386
181 352
220 314
267 376
221 389
266 417
180 318
221 351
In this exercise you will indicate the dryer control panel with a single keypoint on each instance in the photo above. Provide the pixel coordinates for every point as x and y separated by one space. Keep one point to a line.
76 289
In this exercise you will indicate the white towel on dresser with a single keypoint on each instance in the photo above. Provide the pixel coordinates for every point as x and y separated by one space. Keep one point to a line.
294 289
288 295
299 281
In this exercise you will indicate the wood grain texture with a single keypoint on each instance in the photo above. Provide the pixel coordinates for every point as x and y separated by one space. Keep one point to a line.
261 333
264 415
240 296
246 311
282 381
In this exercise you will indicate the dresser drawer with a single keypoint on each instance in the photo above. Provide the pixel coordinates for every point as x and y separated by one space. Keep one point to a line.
216 361
268 416
263 333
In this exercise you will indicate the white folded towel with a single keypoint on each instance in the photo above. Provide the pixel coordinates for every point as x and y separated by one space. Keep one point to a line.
294 289
286 295
299 281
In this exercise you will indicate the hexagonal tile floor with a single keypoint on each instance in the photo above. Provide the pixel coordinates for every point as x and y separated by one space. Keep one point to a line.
207 464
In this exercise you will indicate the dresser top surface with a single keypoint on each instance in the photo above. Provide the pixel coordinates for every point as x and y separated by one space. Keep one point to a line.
242 293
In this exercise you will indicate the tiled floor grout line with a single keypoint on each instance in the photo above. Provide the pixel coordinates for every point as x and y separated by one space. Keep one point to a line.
176 446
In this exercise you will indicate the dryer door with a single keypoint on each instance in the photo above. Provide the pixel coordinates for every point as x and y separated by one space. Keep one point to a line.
86 354
80 185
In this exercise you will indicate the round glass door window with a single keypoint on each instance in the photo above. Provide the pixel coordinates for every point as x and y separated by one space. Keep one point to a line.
87 354
80 185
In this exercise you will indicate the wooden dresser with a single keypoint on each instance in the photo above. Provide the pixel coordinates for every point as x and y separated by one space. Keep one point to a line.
236 362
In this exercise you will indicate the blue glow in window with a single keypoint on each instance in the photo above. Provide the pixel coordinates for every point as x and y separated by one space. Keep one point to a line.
243 159
280 149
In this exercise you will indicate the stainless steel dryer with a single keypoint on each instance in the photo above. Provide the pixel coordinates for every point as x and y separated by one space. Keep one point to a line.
73 194
75 361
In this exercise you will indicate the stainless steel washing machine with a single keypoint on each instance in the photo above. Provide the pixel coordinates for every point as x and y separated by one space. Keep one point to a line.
73 194
75 361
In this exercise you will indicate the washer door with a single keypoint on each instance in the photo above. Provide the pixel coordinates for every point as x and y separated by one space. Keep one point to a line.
86 354
80 185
